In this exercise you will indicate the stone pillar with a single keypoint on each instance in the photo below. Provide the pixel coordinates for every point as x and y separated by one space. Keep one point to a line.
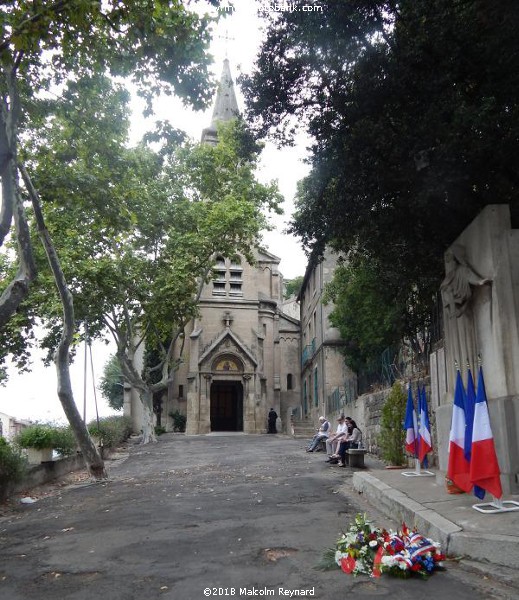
205 403
134 407
193 406
249 421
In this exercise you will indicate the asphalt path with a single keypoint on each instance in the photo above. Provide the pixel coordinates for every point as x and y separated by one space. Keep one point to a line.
187 518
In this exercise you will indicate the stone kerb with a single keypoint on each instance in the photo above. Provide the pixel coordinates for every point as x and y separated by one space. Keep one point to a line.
402 509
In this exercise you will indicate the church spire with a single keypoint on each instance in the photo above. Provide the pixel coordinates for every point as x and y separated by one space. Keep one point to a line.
225 106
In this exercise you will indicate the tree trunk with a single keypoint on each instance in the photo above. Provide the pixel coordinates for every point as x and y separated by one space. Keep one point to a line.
92 458
125 340
12 205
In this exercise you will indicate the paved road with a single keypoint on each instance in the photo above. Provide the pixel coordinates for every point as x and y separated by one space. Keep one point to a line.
224 513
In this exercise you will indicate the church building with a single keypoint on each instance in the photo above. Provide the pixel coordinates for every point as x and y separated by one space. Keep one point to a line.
241 355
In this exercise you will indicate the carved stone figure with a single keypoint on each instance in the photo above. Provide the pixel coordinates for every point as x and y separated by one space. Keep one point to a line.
457 292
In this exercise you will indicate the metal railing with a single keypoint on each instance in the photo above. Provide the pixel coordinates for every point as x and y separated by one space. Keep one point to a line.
308 352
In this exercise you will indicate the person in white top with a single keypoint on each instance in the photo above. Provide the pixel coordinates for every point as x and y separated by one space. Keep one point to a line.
322 433
335 439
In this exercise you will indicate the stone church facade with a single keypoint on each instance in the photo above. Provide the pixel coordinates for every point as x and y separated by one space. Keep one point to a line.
242 352
241 356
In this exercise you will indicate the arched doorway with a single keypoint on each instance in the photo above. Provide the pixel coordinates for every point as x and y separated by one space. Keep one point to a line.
227 393
226 406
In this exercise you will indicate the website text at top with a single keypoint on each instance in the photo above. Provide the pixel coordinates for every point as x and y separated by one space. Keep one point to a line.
278 7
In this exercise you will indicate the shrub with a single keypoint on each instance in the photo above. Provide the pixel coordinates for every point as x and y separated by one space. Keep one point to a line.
41 435
112 431
392 434
38 436
159 430
179 421
64 441
12 464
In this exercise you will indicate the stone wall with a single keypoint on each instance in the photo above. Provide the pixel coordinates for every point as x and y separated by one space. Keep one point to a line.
366 410
44 473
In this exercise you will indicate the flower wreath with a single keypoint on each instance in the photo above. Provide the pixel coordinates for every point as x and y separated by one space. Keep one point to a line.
372 551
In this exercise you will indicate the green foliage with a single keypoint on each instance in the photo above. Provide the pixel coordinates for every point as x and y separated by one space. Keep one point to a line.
111 384
41 436
112 431
160 45
137 232
392 435
413 107
159 430
292 286
179 421
12 464
37 436
65 442
366 311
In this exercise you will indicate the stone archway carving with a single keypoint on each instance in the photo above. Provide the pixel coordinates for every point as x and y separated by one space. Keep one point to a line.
226 364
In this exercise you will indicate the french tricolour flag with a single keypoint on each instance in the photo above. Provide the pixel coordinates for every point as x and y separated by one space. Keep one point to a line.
470 405
424 431
410 426
484 468
458 470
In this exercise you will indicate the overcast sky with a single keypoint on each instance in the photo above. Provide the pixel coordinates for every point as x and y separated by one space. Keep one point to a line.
33 395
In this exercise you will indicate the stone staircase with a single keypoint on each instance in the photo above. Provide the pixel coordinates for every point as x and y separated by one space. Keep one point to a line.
303 428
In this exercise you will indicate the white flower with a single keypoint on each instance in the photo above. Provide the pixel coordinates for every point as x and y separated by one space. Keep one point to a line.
360 567
388 561
373 543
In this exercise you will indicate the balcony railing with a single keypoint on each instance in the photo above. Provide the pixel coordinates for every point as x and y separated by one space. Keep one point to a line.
308 352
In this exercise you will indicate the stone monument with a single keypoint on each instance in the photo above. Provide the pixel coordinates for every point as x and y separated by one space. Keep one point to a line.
480 296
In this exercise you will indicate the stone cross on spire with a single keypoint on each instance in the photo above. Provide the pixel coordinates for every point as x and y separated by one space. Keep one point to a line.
225 106
226 38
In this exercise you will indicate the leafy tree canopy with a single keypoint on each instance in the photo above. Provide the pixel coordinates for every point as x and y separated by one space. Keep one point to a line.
292 286
160 44
112 383
414 111
137 231
366 312
44 45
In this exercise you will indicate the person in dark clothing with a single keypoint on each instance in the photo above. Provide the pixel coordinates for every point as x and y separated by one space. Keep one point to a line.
272 418
353 440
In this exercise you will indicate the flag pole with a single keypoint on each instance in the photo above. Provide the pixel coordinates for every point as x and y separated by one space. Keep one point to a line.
418 465
497 505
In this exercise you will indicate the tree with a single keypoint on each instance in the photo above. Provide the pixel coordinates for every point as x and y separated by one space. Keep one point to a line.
392 433
112 383
138 231
366 311
293 286
44 44
413 108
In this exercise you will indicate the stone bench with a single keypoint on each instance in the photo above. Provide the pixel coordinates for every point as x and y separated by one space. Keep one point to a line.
355 457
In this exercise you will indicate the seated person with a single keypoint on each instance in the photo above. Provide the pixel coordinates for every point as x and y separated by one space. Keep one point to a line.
322 434
332 443
353 440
